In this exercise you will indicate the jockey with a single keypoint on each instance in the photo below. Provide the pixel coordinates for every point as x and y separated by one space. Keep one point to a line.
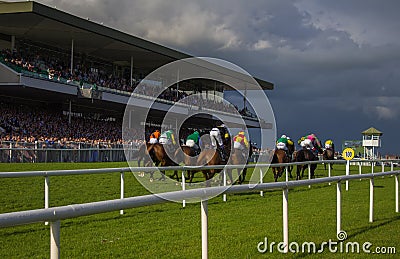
193 140
240 142
284 142
215 135
311 142
329 144
167 138
154 137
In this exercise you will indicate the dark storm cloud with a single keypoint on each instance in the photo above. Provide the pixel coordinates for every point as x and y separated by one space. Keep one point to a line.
337 60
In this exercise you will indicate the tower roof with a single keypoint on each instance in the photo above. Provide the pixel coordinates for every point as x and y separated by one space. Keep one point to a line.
372 131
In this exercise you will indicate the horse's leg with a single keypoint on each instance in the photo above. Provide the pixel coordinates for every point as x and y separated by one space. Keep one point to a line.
244 172
274 171
206 176
176 174
299 167
229 172
313 167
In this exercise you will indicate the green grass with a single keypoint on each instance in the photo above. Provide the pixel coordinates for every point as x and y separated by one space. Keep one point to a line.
170 231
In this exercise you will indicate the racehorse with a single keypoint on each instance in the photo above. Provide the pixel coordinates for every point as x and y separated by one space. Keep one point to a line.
213 157
161 158
157 155
187 155
237 157
280 156
328 154
302 156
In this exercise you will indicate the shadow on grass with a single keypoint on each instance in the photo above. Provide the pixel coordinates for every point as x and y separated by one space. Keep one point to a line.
385 221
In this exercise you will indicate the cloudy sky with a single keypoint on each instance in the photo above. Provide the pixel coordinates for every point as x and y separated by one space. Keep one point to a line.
335 64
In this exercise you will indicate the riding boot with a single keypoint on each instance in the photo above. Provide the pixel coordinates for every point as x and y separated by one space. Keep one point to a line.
221 151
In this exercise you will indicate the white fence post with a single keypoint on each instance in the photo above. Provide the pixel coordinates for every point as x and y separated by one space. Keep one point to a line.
391 166
224 175
55 239
338 207
359 169
183 187
285 218
371 200
121 212
46 194
372 167
309 174
329 171
204 229
261 181
287 173
397 192
347 173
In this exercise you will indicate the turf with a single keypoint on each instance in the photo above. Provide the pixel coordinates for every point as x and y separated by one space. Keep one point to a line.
170 231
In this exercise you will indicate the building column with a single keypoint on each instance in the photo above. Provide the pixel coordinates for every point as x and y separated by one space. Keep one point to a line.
12 42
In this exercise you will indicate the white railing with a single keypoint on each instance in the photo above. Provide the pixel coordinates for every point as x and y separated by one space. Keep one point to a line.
55 214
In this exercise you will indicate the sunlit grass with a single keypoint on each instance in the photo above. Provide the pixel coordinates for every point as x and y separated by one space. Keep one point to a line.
170 231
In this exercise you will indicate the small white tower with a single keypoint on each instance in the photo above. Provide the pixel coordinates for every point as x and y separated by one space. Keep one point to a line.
371 140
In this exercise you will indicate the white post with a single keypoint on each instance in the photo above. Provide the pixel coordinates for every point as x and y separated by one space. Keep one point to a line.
371 200
55 240
397 192
204 229
46 194
10 155
338 207
121 212
372 167
285 220
287 173
391 166
261 181
347 173
359 169
309 174
224 175
383 166
183 187
329 172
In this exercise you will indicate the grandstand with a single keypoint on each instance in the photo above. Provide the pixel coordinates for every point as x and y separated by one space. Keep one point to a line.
75 75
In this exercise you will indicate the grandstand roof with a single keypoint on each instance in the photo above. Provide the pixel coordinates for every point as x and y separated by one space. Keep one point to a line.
43 24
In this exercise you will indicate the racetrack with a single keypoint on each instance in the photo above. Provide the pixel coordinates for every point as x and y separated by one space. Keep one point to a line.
170 231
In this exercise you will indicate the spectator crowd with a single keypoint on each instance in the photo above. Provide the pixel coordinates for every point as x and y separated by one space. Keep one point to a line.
55 65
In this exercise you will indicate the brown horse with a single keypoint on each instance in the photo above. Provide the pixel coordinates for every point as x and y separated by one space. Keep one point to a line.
280 156
328 154
238 158
302 156
161 158
209 157
187 155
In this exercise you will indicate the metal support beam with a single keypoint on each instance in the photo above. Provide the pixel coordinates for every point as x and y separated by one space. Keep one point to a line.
121 212
55 240
285 218
204 229
338 208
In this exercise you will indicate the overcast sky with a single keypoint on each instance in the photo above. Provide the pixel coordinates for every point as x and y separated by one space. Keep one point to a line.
335 64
